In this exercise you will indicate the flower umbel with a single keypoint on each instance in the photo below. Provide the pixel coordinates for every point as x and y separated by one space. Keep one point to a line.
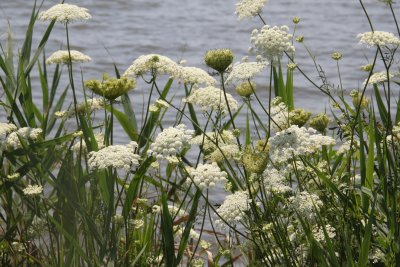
111 88
245 71
207 175
33 190
65 13
247 9
219 59
154 63
378 38
62 57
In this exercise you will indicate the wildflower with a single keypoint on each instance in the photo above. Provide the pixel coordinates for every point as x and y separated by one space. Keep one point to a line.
176 211
274 181
319 122
155 63
195 76
207 175
14 176
117 156
85 107
296 141
33 190
170 142
271 42
300 39
345 147
378 38
111 88
247 9
296 20
291 66
305 204
367 68
319 234
81 145
26 133
299 117
154 108
279 115
62 57
179 232
218 59
162 103
233 209
358 101
254 161
212 140
378 77
245 71
336 56
5 130
65 13
246 89
212 98
225 152
156 209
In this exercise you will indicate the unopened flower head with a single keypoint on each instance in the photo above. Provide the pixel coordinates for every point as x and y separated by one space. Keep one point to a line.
367 68
245 71
195 76
271 42
117 156
33 190
111 88
62 57
359 100
299 117
336 56
233 209
247 9
207 175
65 13
219 59
246 89
170 142
154 63
296 20
378 38
378 77
319 122
28 134
254 161
212 98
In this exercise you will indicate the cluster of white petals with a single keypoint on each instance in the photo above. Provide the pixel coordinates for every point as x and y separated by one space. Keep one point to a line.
207 175
319 234
280 116
33 190
81 144
212 98
210 140
179 232
117 156
295 141
305 204
87 106
29 134
170 142
379 77
194 76
154 63
225 152
245 71
233 209
378 38
247 9
65 13
175 211
275 181
271 42
345 147
62 57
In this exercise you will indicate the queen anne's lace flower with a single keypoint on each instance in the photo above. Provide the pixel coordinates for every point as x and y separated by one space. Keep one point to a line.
65 13
247 9
275 181
62 57
225 152
379 77
378 38
170 142
81 144
305 204
319 234
245 71
195 76
84 107
117 156
155 63
26 133
280 116
271 42
233 209
296 141
212 98
33 190
207 175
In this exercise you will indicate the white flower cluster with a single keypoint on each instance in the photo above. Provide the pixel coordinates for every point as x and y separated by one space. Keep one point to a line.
212 98
65 13
33 190
225 151
81 144
179 232
84 107
175 211
245 71
379 77
5 130
247 9
280 116
13 139
194 76
155 63
319 235
296 141
170 142
271 42
62 57
305 204
207 175
275 181
117 156
345 147
233 209
159 104
378 38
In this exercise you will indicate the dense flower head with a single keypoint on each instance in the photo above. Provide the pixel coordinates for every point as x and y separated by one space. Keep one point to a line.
29 134
271 42
116 156
378 77
212 140
33 190
319 122
154 63
111 88
170 142
378 38
5 129
274 181
305 204
299 116
62 57
246 89
194 76
65 13
254 161
247 9
212 98
82 146
279 115
245 71
207 175
225 152
85 107
219 59
296 141
233 209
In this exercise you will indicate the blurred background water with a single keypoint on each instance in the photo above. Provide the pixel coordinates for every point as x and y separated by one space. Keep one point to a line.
122 30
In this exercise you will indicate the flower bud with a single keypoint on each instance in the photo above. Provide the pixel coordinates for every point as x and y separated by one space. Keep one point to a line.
336 56
299 117
319 122
296 20
219 59
300 39
246 89
254 161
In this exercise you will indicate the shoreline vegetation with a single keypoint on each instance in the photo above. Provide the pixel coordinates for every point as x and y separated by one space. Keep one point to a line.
302 189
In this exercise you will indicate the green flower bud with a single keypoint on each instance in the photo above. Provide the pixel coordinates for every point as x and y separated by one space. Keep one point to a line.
319 122
366 68
300 39
356 97
246 89
299 117
254 161
219 59
291 66
336 56
296 20
111 88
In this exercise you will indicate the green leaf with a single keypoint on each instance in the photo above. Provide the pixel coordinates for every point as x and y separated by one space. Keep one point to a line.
127 124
